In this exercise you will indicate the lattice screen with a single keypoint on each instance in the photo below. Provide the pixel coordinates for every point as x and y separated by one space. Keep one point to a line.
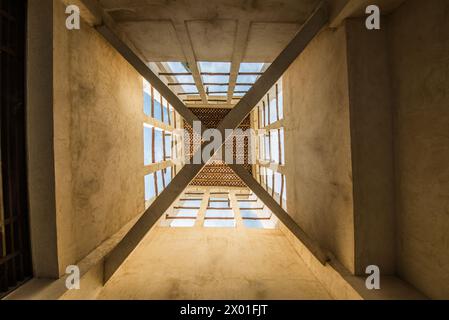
216 173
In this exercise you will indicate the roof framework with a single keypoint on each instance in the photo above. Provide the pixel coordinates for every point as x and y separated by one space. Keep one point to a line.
203 32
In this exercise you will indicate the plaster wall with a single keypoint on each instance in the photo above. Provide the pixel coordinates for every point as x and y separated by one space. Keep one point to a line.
214 263
371 147
419 41
40 133
98 139
317 144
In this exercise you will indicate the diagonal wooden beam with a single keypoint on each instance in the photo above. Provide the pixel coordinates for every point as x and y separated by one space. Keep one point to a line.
277 210
311 27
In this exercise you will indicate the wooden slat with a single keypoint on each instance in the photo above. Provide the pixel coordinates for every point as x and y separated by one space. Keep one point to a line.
180 218
257 218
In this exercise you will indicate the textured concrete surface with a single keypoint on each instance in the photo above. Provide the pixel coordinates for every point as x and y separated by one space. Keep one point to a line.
98 125
41 172
419 40
201 263
371 114
318 167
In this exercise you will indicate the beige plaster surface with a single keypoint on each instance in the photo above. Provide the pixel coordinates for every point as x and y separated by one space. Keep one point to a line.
371 116
98 137
317 144
216 263
419 41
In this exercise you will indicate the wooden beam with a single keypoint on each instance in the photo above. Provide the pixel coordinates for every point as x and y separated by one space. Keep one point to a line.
275 125
273 166
277 210
175 74
311 27
251 73
154 167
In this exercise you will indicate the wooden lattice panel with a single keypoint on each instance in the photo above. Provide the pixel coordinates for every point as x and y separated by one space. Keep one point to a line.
216 173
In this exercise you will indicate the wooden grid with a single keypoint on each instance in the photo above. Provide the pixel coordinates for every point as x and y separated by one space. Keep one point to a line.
216 173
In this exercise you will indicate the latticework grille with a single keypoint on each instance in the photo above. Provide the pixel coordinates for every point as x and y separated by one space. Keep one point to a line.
216 173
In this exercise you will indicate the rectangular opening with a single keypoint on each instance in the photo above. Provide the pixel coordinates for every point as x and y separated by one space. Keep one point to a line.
213 69
186 80
222 213
219 223
259 224
250 204
254 214
184 213
219 203
190 202
150 191
147 144
182 223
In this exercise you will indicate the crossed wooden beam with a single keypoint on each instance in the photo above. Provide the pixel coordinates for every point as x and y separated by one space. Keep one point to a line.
311 27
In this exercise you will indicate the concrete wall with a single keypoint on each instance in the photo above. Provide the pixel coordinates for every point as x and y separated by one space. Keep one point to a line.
367 144
317 144
41 174
370 107
98 139
419 40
